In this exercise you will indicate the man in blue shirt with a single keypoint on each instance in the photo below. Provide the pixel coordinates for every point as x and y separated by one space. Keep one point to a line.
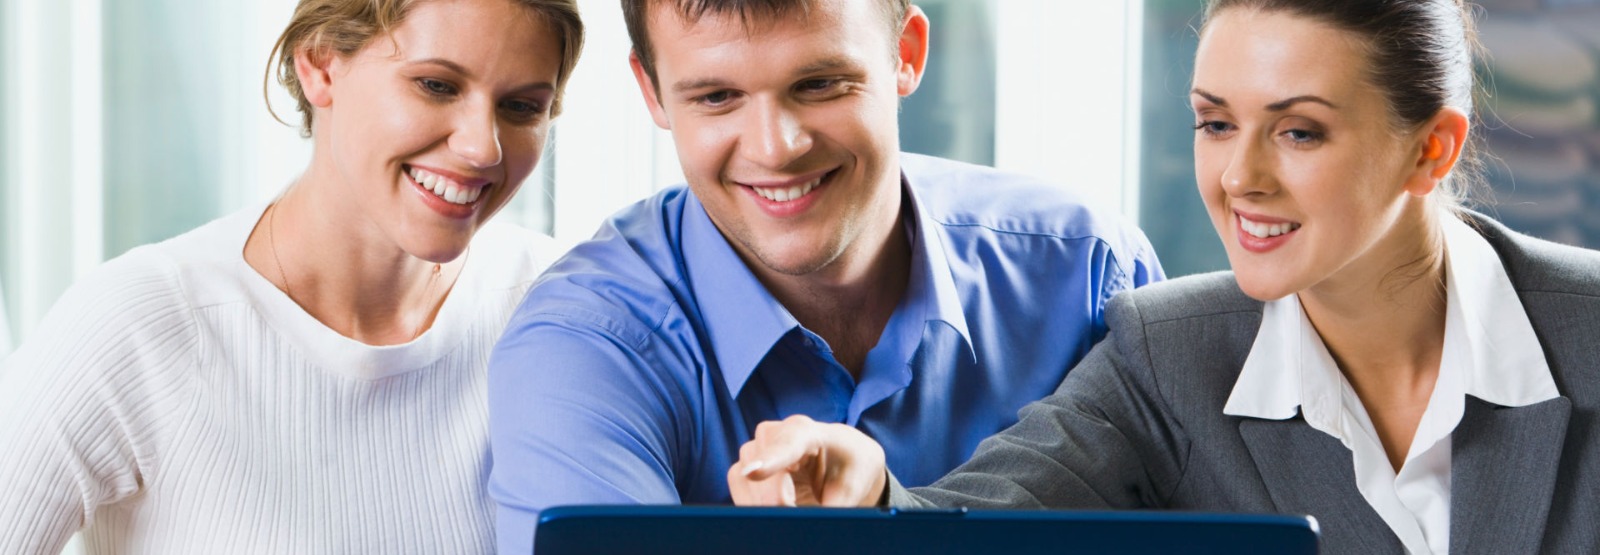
807 268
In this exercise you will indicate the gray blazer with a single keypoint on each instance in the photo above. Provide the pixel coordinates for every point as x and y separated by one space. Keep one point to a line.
1139 425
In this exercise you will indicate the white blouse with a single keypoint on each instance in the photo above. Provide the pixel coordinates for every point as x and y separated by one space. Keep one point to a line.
1490 352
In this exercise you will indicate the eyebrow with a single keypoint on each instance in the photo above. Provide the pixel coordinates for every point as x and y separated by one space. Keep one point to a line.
462 71
447 64
825 64
696 84
1278 106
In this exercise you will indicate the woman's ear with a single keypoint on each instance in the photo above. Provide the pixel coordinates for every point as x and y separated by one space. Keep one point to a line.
1438 150
314 68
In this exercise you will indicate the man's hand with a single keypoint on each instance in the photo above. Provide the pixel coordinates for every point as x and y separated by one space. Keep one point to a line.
800 461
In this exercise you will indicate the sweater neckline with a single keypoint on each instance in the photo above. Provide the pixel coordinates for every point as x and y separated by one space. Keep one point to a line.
335 352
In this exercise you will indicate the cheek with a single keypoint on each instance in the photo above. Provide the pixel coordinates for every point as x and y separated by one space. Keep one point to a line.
703 147
1208 169
522 149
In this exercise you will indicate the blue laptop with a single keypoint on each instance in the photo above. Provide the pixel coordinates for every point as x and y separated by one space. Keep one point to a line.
673 530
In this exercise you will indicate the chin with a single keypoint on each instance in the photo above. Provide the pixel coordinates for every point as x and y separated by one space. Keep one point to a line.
1261 285
439 252
796 262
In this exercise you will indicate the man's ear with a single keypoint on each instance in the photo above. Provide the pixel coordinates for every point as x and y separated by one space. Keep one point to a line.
648 88
315 70
1438 150
913 51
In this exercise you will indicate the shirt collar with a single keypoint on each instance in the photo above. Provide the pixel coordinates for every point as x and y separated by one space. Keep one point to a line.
744 321
1289 366
1507 366
928 244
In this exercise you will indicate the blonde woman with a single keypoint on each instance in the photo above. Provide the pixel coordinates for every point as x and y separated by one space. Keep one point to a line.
307 376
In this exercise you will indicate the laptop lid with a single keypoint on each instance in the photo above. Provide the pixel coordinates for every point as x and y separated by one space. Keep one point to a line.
672 530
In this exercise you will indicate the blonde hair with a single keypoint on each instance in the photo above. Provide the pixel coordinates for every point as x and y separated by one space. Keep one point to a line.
344 27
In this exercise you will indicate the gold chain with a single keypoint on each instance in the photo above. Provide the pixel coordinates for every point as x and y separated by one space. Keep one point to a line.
272 242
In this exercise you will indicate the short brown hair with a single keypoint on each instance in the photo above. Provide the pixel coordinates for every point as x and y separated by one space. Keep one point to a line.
346 26
637 15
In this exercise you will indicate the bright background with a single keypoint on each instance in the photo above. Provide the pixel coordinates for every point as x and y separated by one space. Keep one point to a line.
130 121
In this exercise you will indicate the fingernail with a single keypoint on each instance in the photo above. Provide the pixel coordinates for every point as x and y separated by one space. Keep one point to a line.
753 467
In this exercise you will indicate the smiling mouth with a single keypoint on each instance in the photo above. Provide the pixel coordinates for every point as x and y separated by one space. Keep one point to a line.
446 188
1264 230
792 192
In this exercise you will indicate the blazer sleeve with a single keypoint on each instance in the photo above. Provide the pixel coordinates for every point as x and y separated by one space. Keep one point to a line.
1106 439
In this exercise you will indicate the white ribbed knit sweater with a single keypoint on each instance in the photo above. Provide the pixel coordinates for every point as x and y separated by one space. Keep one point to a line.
175 402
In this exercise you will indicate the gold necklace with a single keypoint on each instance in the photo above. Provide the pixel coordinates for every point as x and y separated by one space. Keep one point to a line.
272 242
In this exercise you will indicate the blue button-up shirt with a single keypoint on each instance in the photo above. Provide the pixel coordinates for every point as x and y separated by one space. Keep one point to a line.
639 363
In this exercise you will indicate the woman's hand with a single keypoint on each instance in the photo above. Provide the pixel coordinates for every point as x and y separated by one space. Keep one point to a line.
800 461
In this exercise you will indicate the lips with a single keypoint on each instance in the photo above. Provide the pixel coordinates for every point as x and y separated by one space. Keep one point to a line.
446 188
786 194
1265 229
1261 234
791 197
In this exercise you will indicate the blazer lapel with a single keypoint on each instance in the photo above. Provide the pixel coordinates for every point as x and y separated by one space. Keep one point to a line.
1504 462
1309 472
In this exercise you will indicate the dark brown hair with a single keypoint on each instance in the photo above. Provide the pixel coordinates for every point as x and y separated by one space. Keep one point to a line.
637 15
1420 54
343 27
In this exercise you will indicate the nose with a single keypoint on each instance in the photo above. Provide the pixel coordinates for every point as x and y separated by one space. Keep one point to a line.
1246 174
476 137
774 136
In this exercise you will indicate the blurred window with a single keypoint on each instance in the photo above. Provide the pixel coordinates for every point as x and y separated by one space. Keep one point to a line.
1541 123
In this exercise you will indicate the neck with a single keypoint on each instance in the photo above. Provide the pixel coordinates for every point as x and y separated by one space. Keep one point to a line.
1392 316
1385 330
344 273
850 302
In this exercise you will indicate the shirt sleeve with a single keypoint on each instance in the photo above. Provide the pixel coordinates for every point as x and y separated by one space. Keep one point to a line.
1126 263
81 403
1104 440
579 415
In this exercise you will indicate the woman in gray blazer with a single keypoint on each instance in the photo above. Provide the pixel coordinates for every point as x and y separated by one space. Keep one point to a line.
1414 375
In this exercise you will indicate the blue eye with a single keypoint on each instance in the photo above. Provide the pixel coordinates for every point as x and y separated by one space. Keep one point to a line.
816 85
1213 127
522 111
1301 135
436 87
716 98
522 107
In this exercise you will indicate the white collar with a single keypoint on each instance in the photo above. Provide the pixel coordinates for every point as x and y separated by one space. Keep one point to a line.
1504 363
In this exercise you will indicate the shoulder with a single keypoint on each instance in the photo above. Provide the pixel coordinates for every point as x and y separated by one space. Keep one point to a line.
1186 298
512 256
126 321
1537 266
197 268
624 281
1186 338
967 198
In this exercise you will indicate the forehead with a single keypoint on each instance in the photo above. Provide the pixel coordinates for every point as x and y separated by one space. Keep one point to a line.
504 34
1254 55
814 25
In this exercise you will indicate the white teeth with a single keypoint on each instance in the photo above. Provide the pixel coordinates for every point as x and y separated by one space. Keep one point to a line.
1263 230
786 194
446 189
